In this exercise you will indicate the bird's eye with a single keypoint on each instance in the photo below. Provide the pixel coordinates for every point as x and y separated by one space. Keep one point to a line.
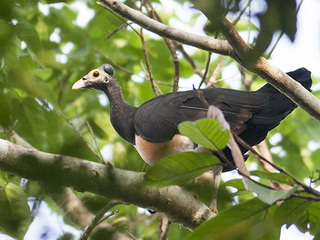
96 74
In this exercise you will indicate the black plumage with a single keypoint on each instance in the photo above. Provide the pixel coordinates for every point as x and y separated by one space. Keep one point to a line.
152 127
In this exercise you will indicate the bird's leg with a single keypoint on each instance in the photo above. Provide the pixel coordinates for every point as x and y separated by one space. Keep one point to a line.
217 170
164 228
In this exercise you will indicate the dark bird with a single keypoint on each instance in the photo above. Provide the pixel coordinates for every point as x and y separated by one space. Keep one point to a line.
153 127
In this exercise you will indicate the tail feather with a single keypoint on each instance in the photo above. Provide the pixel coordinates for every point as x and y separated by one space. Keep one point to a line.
303 76
279 106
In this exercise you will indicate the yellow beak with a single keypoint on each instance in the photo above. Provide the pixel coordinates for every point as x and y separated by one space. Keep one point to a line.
78 85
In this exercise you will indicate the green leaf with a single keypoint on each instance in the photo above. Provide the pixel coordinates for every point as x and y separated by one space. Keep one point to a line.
10 44
6 31
236 183
247 220
38 126
14 211
179 169
29 35
315 159
5 113
22 76
3 178
291 211
278 177
314 218
205 132
266 195
6 10
280 15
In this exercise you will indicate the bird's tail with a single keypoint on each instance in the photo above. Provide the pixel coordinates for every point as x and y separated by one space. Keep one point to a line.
301 75
280 105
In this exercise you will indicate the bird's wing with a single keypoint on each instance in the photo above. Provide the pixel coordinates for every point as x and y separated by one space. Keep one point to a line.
157 120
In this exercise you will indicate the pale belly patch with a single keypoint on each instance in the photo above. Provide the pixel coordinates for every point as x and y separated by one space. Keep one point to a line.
151 153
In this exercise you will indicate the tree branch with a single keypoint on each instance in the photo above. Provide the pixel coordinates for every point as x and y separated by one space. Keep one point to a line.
78 213
267 71
73 207
205 43
288 86
127 186
171 46
234 47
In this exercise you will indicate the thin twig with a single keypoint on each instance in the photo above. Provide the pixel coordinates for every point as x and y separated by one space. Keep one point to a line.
189 59
95 142
154 86
256 182
242 12
263 149
113 62
213 79
129 71
205 43
122 26
99 218
204 77
281 34
80 135
171 46
124 20
62 85
304 186
234 47
315 199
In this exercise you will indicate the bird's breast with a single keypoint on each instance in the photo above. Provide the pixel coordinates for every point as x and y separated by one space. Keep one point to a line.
151 152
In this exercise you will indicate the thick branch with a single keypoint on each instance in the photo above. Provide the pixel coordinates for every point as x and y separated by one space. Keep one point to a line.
271 73
127 186
288 86
205 43
73 207
234 47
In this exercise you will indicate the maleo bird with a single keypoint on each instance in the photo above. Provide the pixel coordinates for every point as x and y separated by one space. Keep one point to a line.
153 127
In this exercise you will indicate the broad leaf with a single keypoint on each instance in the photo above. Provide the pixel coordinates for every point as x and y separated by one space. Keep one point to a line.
29 35
283 15
314 218
10 49
247 220
14 211
290 211
236 183
205 132
267 195
179 169
278 177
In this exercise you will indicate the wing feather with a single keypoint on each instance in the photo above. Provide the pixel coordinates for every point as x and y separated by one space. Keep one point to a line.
157 119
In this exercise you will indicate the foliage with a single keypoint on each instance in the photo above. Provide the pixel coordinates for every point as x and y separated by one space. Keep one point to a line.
46 45
181 168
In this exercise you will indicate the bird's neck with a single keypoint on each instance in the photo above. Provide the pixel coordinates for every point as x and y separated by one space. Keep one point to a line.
121 114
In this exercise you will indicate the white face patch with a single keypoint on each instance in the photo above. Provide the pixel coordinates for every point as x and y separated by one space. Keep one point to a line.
4 148
151 153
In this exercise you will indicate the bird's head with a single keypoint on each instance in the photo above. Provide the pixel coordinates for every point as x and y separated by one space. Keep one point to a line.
96 79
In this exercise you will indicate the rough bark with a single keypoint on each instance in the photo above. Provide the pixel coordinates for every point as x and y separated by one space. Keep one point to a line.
179 205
